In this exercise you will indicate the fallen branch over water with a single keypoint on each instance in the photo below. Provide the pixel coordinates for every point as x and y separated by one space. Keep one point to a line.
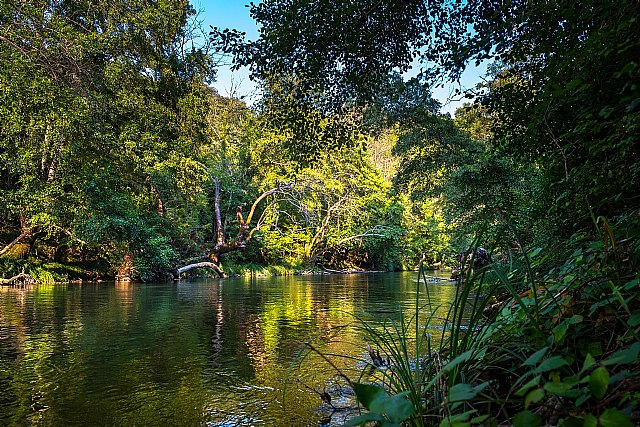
21 279
201 265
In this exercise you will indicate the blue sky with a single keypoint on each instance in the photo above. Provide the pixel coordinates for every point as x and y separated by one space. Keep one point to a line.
234 14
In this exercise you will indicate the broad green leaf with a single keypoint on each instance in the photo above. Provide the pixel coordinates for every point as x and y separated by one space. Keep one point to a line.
367 393
364 418
396 409
634 319
589 361
624 356
590 421
479 419
614 418
375 398
534 396
632 284
550 364
526 419
599 382
535 357
557 387
535 252
457 420
560 331
460 392
531 383
580 400
572 422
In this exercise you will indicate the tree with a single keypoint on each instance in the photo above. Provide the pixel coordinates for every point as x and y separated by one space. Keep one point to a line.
565 83
96 101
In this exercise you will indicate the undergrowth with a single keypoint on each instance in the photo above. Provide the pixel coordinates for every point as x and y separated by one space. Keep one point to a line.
549 339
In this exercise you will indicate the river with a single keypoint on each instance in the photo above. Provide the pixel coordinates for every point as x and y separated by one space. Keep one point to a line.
218 353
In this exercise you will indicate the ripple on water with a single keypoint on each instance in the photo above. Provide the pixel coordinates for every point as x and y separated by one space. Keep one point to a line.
217 353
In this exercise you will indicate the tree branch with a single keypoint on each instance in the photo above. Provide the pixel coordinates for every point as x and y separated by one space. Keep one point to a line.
201 265
25 233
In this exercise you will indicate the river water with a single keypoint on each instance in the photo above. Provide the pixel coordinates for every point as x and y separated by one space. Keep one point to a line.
218 353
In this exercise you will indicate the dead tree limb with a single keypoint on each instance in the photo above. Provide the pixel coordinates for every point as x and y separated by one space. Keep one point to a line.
24 234
222 246
20 279
201 265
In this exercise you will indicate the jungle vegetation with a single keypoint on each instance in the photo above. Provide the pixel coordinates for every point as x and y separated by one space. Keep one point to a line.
117 159
541 168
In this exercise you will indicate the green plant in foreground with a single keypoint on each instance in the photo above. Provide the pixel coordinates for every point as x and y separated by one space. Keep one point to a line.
562 348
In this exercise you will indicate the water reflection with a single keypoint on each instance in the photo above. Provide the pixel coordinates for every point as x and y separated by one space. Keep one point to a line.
212 352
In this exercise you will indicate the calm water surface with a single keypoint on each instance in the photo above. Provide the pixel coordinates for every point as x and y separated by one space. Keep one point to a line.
215 353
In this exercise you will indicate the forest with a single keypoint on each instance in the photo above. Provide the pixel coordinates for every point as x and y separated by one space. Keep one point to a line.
118 160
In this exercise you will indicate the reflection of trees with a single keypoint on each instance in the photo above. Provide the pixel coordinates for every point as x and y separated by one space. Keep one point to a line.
216 341
128 354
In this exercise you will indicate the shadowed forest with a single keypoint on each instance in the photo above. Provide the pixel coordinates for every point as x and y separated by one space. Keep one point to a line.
119 161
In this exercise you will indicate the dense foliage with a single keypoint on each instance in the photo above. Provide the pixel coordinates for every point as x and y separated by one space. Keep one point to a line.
118 160
546 157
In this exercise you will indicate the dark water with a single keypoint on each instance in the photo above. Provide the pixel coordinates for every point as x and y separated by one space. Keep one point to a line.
216 353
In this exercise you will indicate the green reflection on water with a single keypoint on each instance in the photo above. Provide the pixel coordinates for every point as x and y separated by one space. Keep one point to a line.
216 352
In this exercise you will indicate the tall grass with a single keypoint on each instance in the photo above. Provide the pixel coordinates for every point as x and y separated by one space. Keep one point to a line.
562 346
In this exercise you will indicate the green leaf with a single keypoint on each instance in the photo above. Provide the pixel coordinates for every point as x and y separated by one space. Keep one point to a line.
535 357
531 383
550 364
557 387
364 418
460 392
457 420
580 400
614 418
458 360
572 422
479 419
599 382
632 284
589 361
396 408
627 355
560 331
590 421
634 319
375 398
526 419
367 393
534 396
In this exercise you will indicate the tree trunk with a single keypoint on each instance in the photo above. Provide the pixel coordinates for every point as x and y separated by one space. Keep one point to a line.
222 246
21 279
125 270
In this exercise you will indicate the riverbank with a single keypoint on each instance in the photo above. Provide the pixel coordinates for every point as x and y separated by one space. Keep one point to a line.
52 272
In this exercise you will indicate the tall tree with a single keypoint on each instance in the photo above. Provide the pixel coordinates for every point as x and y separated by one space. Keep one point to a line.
566 84
95 102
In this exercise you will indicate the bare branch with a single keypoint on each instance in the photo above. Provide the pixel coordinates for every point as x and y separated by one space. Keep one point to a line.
202 265
374 232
